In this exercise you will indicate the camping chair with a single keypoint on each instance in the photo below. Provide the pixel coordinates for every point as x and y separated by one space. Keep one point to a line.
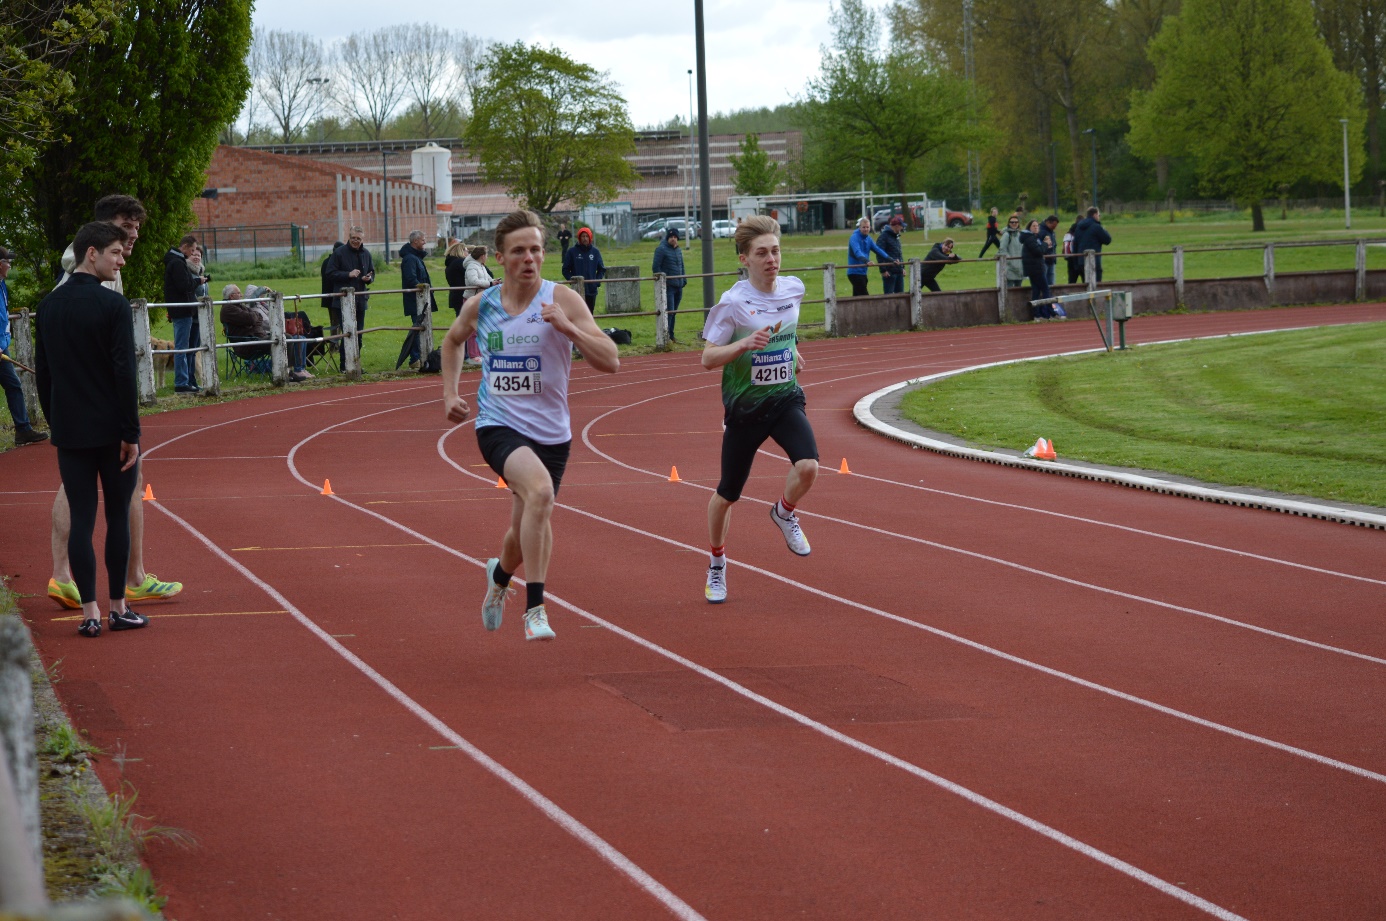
319 357
245 360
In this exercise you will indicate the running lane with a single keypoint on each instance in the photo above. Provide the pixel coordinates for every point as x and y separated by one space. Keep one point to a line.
988 693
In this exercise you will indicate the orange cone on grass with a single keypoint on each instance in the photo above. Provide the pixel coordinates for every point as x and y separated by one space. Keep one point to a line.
1043 449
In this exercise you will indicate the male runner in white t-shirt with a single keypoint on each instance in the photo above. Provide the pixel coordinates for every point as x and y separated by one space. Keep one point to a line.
526 328
751 335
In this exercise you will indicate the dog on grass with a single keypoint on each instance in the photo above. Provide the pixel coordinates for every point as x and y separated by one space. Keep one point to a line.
162 362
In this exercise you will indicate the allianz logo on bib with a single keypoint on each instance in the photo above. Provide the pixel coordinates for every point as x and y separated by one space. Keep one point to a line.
519 363
497 341
770 358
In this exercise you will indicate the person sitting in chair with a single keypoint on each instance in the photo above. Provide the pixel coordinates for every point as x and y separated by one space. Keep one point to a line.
247 316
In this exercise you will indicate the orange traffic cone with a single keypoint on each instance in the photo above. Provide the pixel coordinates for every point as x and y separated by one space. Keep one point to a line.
327 488
843 468
674 475
148 493
1048 453
500 483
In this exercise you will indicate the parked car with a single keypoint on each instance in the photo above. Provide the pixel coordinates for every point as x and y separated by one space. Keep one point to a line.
723 230
940 212
656 230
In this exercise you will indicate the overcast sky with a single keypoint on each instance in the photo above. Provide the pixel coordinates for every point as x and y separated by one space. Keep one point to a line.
758 54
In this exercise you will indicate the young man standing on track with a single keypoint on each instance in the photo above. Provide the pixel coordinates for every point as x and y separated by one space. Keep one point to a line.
84 365
127 213
526 329
751 335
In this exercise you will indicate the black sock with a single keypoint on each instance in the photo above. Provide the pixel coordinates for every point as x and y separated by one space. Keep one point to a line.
501 577
534 594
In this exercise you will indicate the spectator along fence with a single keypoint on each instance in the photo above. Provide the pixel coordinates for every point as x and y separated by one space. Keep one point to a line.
914 308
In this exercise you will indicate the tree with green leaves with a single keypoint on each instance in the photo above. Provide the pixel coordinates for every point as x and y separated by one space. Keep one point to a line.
869 108
1356 34
1248 88
754 172
548 128
143 119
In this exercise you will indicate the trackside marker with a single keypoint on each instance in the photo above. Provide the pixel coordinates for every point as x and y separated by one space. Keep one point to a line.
148 492
843 468
674 475
327 488
500 483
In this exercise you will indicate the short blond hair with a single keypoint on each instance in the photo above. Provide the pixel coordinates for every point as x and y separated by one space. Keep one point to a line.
756 226
518 220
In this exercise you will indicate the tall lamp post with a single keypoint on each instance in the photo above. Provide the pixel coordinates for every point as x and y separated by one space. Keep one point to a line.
692 160
1093 132
1053 179
1347 188
704 170
385 200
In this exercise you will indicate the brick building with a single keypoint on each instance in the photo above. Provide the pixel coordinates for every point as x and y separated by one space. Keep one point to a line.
662 159
259 194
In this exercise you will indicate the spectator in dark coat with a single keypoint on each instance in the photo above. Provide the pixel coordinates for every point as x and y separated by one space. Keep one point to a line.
1048 232
352 267
180 287
585 261
413 272
329 302
1032 259
892 276
1075 263
455 272
668 258
565 236
941 254
993 234
1091 235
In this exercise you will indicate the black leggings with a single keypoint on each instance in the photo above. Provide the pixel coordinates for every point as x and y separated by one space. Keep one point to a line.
80 468
858 285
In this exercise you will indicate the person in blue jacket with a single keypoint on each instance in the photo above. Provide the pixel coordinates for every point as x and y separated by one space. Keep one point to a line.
413 272
860 246
668 258
585 261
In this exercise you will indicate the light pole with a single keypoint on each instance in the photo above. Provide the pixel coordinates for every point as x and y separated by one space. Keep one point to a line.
1093 132
692 160
704 169
385 199
319 82
1347 188
1053 178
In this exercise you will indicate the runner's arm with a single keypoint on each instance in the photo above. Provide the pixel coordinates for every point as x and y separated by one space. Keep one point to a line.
452 352
715 356
569 315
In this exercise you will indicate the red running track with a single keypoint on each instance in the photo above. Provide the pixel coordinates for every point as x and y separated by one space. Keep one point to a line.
989 693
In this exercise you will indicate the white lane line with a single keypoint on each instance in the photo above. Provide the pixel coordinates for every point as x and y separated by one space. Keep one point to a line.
1020 567
624 865
971 796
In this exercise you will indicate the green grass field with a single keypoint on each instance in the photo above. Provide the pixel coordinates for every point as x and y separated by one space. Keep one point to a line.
1295 412
804 255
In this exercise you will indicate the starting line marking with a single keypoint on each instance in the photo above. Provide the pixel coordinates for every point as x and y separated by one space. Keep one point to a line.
328 547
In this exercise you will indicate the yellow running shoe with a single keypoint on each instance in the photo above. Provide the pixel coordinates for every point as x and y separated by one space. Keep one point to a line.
65 594
151 589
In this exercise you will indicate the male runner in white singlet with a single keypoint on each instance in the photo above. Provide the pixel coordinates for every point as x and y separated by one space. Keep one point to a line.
751 334
526 328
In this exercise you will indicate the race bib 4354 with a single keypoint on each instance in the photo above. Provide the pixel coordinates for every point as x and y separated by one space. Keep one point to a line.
514 375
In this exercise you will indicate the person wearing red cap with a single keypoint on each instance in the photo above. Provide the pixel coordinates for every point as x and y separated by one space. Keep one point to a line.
585 261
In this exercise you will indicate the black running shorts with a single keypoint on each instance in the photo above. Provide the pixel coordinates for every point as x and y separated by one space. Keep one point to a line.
497 443
790 430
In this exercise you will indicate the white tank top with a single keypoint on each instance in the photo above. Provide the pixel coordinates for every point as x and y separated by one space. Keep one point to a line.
525 365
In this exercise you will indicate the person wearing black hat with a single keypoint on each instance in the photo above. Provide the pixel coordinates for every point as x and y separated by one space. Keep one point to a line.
668 259
1049 233
24 432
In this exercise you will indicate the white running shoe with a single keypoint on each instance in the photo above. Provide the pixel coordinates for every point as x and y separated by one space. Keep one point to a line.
716 589
494 605
537 624
789 527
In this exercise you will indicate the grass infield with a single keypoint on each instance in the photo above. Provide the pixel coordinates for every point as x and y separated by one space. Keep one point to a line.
1295 412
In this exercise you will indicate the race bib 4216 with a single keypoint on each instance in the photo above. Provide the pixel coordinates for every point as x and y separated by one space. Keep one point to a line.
769 368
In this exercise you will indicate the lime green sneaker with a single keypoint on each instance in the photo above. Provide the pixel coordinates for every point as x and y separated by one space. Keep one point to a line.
65 594
151 589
